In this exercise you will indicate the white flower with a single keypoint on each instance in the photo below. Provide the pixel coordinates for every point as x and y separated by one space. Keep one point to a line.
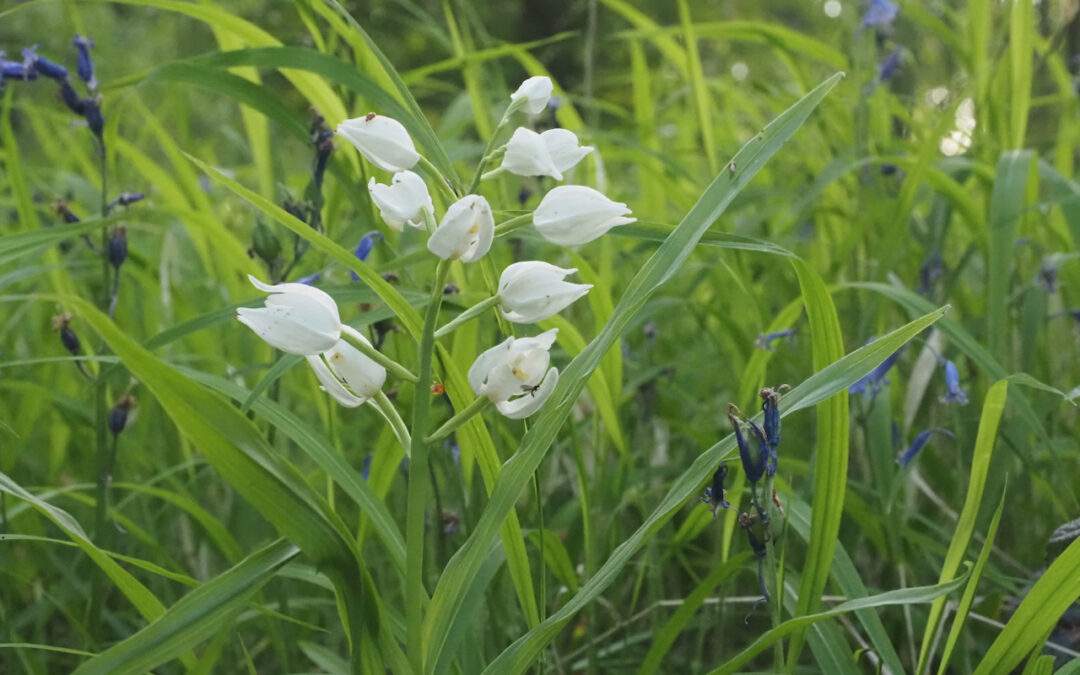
347 374
574 214
536 91
382 140
532 291
297 318
403 201
465 232
548 154
515 374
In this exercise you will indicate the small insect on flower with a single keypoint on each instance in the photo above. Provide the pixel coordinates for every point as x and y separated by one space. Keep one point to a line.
715 495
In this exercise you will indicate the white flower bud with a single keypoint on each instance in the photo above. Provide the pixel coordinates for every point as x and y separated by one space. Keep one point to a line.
297 318
382 140
465 232
347 374
532 291
403 201
536 91
571 215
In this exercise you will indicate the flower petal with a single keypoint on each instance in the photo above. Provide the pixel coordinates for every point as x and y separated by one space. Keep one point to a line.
331 385
525 405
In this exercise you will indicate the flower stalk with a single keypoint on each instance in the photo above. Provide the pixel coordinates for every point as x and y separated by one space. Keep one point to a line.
513 224
479 404
419 480
368 350
466 316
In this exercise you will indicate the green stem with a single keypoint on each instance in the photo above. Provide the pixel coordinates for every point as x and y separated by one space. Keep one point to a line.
486 156
478 405
375 355
466 316
385 406
516 223
419 479
774 570
430 169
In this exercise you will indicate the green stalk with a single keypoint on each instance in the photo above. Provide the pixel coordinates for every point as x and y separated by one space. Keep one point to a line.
386 408
428 168
516 223
419 480
468 315
470 411
375 355
510 110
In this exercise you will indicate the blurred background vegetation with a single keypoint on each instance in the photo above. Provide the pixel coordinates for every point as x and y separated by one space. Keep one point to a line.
940 171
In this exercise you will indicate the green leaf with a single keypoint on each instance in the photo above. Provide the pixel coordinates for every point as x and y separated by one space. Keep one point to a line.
1038 613
194 618
993 407
1008 202
830 457
903 596
463 566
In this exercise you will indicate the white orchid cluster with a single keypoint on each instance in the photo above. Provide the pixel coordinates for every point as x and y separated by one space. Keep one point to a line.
516 375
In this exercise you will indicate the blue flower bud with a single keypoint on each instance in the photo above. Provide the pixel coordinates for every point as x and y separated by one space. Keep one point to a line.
873 381
880 14
129 198
765 340
71 99
714 494
954 393
62 324
118 248
94 118
44 66
15 70
118 416
84 66
364 248
918 444
890 65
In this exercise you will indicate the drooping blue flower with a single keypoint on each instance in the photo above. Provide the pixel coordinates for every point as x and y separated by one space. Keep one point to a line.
715 495
16 70
770 406
766 340
42 65
880 14
94 119
890 65
364 248
311 279
954 393
84 66
117 250
873 381
71 98
919 442
753 466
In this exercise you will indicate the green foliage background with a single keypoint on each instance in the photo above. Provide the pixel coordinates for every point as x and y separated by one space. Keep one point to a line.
244 534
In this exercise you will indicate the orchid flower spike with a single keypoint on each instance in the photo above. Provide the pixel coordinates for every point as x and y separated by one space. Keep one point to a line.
347 374
465 232
534 94
571 215
548 154
297 318
405 200
515 374
383 141
532 291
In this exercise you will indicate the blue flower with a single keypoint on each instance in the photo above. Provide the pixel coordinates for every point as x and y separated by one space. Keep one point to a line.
765 340
770 406
714 494
918 443
890 65
754 467
16 70
117 250
880 14
363 249
931 270
954 393
310 279
873 381
85 65
71 98
365 466
44 66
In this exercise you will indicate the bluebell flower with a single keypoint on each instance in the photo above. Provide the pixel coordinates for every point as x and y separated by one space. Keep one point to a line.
363 249
920 441
931 270
954 393
890 65
62 324
754 467
770 406
84 65
94 118
311 279
119 415
715 495
16 70
71 98
118 247
873 381
365 466
766 340
880 14
42 65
